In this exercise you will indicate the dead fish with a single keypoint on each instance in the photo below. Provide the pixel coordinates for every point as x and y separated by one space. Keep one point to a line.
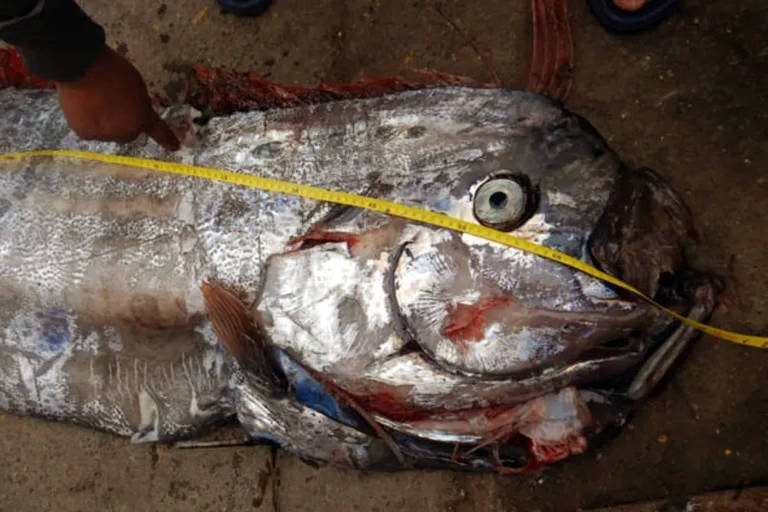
345 336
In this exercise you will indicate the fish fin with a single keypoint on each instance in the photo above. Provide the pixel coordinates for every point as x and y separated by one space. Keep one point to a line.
236 329
220 92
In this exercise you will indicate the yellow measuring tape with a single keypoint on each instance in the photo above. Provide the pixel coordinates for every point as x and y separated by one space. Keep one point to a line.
390 208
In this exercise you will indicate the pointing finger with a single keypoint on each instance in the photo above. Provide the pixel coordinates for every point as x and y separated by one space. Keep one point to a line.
161 133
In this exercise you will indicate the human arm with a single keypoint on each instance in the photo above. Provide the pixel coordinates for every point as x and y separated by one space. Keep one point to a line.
100 92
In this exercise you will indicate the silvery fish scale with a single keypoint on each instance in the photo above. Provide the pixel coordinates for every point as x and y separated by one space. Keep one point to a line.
456 351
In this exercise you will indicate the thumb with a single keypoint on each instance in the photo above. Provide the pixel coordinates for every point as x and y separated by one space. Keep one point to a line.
160 132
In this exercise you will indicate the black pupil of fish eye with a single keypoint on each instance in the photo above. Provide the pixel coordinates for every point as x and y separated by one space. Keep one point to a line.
498 200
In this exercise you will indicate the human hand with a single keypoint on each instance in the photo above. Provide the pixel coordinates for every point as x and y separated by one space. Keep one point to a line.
110 102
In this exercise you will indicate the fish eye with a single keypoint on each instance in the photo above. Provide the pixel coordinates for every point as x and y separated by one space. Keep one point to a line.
503 202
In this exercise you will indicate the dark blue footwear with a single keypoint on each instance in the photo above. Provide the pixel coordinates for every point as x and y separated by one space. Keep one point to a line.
245 7
620 20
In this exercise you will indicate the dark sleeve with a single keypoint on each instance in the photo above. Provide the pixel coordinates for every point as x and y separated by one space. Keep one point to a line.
56 38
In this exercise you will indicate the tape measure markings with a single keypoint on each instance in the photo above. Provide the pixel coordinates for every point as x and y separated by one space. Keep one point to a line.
390 208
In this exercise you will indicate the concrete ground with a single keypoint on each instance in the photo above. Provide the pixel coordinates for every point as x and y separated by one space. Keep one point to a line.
689 99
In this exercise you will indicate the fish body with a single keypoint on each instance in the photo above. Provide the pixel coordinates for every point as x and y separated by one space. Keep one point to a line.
382 343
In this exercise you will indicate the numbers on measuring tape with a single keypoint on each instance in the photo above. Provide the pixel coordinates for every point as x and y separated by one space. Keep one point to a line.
387 207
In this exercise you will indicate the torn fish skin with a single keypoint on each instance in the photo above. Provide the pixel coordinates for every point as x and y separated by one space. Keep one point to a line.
345 336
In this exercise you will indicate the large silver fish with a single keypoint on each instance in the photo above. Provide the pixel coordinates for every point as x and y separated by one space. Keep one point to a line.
351 337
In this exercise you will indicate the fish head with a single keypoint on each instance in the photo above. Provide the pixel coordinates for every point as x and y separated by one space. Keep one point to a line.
362 287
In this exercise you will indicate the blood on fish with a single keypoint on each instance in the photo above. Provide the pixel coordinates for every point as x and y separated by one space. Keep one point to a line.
549 453
315 238
552 452
387 405
492 412
466 322
367 244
